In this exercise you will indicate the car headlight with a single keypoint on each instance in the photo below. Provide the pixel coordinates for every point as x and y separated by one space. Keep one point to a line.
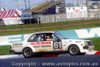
88 43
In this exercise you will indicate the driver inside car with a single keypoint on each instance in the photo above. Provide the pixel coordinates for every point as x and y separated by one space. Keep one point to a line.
49 37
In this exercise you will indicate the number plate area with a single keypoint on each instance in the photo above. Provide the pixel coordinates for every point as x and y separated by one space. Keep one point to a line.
41 50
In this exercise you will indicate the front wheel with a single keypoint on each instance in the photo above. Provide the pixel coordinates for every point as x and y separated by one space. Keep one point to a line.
27 52
74 50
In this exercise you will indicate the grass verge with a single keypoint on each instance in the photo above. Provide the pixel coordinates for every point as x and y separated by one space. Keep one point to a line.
4 50
96 42
67 25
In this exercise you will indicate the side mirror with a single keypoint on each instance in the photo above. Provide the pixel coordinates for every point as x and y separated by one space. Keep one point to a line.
56 39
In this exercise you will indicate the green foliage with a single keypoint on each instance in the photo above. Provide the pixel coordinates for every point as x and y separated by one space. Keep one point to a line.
96 42
4 50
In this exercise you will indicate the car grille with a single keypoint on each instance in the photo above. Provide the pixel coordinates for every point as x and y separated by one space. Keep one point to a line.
89 43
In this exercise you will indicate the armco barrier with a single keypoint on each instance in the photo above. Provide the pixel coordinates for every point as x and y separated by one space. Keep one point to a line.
63 61
72 34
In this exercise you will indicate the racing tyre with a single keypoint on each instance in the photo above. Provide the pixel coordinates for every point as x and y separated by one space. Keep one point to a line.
27 52
74 50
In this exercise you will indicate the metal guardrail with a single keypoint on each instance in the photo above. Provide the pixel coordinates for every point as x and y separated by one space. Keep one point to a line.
63 61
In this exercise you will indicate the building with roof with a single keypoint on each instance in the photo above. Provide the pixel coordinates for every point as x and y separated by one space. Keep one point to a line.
10 17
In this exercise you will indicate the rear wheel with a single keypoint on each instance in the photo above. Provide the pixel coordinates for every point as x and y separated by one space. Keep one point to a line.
74 50
27 52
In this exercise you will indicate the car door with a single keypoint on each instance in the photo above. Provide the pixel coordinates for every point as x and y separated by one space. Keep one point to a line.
46 45
36 42
57 44
54 44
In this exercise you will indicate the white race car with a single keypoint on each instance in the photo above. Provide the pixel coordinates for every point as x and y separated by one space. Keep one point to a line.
50 42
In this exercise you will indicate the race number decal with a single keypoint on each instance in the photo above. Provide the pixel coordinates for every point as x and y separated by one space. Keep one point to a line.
57 45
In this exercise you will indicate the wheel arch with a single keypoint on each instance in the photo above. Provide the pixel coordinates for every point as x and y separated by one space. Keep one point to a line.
75 45
29 47
27 52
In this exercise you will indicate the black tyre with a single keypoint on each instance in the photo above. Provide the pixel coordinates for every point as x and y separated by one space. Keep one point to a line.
74 50
27 52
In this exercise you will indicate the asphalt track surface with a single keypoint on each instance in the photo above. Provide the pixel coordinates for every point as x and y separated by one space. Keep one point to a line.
60 61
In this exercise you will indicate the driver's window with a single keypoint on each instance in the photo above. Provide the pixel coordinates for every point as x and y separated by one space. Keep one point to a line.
55 37
51 37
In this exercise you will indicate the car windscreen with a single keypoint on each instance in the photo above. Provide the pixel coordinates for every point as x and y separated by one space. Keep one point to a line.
60 35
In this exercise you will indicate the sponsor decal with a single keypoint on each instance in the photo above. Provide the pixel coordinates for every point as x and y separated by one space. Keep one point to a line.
46 45
67 41
40 43
60 49
78 41
17 46
36 46
77 10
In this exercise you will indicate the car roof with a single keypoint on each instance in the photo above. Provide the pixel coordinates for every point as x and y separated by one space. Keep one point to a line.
44 32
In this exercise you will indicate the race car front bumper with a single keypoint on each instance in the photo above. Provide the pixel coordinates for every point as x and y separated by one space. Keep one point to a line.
11 51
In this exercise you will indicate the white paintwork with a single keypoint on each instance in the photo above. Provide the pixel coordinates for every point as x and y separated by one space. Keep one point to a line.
84 33
76 12
18 47
91 52
10 56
